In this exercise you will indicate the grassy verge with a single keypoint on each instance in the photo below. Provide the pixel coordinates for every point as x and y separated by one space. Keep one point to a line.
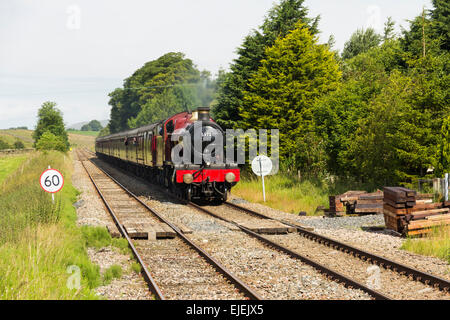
42 251
284 193
436 244
85 133
9 164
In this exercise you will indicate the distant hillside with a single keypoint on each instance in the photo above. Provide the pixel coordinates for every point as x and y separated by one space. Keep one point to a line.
77 126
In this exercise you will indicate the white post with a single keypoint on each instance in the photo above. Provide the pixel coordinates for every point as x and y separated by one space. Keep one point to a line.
53 195
446 187
264 189
262 175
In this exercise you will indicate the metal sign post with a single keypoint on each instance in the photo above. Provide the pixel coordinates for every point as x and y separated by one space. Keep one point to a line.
51 181
446 187
262 166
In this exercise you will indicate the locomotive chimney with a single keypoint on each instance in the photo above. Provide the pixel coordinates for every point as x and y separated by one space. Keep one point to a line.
203 113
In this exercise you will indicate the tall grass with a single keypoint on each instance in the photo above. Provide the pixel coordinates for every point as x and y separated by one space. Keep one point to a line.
436 244
39 239
284 192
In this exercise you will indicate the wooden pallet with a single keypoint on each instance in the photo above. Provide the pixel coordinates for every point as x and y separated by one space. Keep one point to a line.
267 226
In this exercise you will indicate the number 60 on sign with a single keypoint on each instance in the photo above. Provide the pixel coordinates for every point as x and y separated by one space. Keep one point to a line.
51 181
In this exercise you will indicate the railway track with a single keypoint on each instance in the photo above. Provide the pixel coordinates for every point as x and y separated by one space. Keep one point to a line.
304 240
341 261
418 275
330 274
192 272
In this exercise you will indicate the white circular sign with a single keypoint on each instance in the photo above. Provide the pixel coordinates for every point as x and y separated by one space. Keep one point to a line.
262 165
51 181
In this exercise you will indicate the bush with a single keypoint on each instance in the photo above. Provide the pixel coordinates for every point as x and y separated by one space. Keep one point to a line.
19 145
49 141
4 145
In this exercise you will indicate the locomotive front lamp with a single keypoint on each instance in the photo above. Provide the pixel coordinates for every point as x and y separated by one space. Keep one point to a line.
230 177
188 178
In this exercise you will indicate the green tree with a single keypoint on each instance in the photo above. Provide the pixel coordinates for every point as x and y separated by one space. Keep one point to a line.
281 19
296 71
389 26
86 127
391 144
337 114
104 132
443 156
49 141
93 125
441 22
361 41
50 119
172 70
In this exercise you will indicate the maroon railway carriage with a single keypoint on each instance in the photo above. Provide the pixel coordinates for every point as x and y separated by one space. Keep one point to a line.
147 152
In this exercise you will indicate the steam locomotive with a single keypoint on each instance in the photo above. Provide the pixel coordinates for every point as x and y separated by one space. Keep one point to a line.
150 152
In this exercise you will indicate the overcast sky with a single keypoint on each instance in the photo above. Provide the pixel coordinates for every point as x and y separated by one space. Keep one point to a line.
76 52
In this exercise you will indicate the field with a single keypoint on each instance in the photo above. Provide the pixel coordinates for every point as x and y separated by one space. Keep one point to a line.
39 241
84 139
283 193
9 164
84 133
81 140
11 136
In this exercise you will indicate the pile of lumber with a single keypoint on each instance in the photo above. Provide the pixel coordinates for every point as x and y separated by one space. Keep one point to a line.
366 203
411 214
356 202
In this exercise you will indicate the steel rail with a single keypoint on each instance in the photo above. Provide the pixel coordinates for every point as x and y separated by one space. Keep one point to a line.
329 272
418 275
244 288
145 272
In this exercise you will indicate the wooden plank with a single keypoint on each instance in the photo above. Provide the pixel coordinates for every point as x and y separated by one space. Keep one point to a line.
396 199
424 201
395 191
370 201
443 210
419 224
396 211
439 217
170 233
371 196
394 204
409 192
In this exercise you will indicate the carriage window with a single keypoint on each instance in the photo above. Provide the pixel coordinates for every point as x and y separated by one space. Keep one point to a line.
170 127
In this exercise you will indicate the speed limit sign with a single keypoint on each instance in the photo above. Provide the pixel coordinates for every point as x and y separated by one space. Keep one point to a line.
51 181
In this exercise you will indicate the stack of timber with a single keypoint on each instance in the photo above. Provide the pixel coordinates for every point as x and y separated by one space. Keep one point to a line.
366 203
356 202
338 203
406 214
336 206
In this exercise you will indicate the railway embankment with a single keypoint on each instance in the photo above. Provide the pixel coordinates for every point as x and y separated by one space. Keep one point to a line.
43 253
